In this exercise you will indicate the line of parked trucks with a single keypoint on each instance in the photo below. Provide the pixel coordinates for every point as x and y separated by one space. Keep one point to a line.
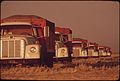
29 38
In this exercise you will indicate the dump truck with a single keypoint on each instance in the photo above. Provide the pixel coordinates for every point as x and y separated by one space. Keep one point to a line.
101 50
104 50
108 51
79 47
63 44
92 49
27 38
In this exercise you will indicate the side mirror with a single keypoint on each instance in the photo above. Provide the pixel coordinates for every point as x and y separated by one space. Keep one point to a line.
46 31
70 37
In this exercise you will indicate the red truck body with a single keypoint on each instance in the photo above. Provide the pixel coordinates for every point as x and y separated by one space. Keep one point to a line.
63 30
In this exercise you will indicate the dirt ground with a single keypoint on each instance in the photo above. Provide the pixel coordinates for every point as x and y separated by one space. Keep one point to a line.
103 68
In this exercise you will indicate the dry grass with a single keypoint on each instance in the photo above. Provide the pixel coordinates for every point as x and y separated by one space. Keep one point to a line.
103 68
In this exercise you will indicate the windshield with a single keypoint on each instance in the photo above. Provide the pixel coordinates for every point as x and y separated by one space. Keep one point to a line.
91 47
16 30
77 44
57 37
65 38
101 49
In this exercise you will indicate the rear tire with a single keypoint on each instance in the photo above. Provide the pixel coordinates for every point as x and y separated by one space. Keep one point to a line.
69 57
49 60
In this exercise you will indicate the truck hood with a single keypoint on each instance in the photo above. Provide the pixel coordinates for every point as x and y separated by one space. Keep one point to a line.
59 44
27 39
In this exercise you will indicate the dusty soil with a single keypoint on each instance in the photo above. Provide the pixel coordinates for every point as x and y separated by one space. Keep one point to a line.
103 68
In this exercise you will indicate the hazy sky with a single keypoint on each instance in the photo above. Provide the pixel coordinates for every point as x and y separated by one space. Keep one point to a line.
96 21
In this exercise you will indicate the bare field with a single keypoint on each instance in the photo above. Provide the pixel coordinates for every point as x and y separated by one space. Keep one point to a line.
103 68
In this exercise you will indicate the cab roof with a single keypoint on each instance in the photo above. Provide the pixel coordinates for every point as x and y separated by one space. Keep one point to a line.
63 30
79 40
32 19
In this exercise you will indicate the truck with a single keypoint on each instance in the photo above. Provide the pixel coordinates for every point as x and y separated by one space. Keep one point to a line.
63 44
104 51
79 47
108 51
92 49
26 39
101 50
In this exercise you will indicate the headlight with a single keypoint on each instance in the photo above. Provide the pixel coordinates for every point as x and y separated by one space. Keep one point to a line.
62 51
33 49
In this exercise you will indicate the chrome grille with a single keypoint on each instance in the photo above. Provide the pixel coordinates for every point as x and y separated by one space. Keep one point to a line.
17 48
75 52
11 48
4 49
90 52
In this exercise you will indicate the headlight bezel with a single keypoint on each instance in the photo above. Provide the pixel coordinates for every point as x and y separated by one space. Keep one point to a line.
33 49
63 52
